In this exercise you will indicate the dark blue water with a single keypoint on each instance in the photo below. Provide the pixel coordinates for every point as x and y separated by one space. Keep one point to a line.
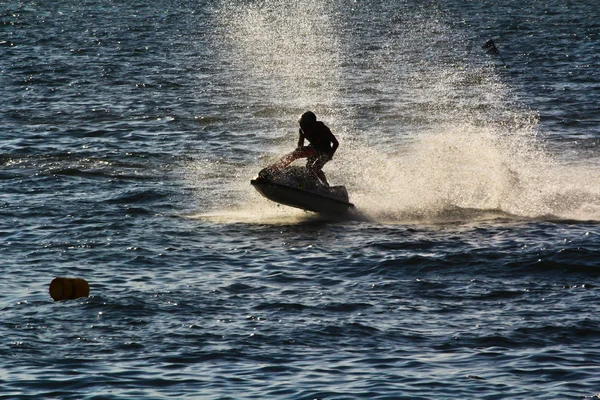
130 131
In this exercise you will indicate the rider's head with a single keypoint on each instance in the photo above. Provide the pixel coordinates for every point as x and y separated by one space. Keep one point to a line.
307 120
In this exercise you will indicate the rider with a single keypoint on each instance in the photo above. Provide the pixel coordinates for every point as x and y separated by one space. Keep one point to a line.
320 150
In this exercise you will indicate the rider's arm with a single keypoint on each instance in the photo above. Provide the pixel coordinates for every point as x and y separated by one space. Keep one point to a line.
300 138
334 147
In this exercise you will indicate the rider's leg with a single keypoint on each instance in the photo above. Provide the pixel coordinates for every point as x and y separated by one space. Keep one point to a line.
315 165
293 156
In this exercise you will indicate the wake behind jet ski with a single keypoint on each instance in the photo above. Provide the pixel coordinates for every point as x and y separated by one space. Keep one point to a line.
305 187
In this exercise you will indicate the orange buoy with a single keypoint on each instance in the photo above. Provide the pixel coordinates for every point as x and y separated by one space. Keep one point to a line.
68 288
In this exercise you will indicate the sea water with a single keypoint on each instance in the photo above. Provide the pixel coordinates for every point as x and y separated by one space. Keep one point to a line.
130 132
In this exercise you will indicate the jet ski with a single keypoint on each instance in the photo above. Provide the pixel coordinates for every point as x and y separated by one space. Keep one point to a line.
295 186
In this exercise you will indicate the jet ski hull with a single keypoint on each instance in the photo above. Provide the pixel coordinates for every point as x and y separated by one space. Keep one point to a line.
294 187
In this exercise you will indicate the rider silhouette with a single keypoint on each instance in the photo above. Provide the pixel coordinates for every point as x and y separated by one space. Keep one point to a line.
321 148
